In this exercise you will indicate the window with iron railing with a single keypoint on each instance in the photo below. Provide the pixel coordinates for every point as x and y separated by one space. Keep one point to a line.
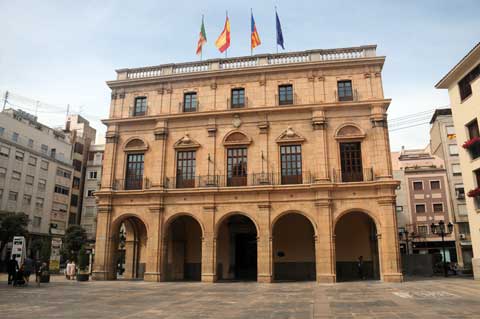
140 107
237 166
285 94
190 102
186 163
351 161
291 164
134 172
237 98
345 92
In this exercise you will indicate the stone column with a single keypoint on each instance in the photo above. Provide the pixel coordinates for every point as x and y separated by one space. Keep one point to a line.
264 244
103 268
131 259
158 170
108 171
324 244
319 123
388 242
209 246
153 271
383 161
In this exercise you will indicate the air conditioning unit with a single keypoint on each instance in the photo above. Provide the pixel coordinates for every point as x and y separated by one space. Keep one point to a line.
462 236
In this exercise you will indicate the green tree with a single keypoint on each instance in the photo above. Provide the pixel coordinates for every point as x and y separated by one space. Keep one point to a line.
75 238
12 224
82 259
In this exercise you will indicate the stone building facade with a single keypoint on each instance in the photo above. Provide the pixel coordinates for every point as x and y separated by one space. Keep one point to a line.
266 167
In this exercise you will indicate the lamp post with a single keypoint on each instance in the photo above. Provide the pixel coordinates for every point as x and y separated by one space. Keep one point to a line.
404 234
440 230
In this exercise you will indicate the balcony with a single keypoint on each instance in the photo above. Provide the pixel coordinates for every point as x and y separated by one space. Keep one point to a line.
347 98
473 147
188 107
131 184
239 105
255 179
365 175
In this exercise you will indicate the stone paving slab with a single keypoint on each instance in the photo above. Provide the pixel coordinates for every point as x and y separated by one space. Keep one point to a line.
436 298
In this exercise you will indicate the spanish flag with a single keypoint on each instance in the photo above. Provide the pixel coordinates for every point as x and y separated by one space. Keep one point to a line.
255 37
223 41
202 39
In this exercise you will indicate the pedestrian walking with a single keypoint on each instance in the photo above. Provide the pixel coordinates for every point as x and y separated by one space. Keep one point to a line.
360 268
28 265
71 270
12 268
39 271
19 279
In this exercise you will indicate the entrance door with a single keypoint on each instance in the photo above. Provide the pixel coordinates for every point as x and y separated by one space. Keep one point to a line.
245 256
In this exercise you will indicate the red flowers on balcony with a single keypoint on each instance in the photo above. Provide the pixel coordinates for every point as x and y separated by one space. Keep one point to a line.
471 142
474 192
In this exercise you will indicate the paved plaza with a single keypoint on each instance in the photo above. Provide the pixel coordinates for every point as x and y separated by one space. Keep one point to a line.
434 298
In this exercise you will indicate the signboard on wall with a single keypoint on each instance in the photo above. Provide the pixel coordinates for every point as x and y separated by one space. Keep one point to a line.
55 254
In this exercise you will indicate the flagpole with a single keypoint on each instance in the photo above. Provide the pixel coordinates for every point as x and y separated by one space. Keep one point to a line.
276 40
251 48
226 50
201 51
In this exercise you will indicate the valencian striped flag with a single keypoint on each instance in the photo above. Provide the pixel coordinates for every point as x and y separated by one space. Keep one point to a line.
202 39
255 42
223 41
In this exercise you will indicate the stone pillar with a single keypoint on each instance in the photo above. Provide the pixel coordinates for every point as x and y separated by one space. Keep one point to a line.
209 251
319 123
324 244
103 267
390 267
131 258
153 271
108 171
383 161
158 149
264 245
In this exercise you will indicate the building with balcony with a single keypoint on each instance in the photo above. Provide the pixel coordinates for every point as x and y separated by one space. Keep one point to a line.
93 177
35 173
266 167
422 199
443 143
463 84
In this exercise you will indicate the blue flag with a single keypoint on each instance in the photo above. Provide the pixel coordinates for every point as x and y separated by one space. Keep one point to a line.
279 32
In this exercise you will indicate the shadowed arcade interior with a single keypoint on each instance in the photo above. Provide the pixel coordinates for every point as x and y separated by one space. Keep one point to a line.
293 248
355 236
237 249
183 250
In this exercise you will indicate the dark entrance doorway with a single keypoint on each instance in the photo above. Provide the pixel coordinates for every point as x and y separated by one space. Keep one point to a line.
237 249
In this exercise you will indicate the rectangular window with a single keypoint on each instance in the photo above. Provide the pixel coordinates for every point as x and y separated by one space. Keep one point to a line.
29 179
2 130
434 185
3 171
186 162
285 94
16 175
77 165
90 192
399 209
32 161
64 173
464 84
44 165
453 149
345 92
450 132
61 190
44 148
422 230
351 162
27 200
456 169
459 191
76 183
418 186
12 196
420 208
30 143
237 166
472 128
92 175
477 176
438 208
15 137
19 155
4 151
78 148
42 184
238 98
134 173
74 200
37 221
39 203
190 102
291 164
140 106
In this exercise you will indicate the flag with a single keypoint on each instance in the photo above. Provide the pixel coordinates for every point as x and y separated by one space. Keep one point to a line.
223 41
255 37
279 32
202 39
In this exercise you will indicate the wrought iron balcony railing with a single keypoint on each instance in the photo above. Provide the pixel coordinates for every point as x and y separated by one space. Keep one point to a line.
131 184
343 176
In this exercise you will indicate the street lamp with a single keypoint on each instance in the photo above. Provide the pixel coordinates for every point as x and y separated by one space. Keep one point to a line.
441 231
404 234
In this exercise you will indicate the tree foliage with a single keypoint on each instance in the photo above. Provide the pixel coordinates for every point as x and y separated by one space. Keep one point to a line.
12 224
75 238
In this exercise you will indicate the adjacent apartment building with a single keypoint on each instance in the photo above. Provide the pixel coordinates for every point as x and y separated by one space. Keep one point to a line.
93 177
35 173
443 143
424 198
463 84
266 167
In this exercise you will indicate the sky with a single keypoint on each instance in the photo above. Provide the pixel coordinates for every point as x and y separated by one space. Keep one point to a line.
62 52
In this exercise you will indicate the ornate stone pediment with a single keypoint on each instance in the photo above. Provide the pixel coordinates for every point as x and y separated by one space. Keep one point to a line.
135 144
290 135
186 142
349 131
236 138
